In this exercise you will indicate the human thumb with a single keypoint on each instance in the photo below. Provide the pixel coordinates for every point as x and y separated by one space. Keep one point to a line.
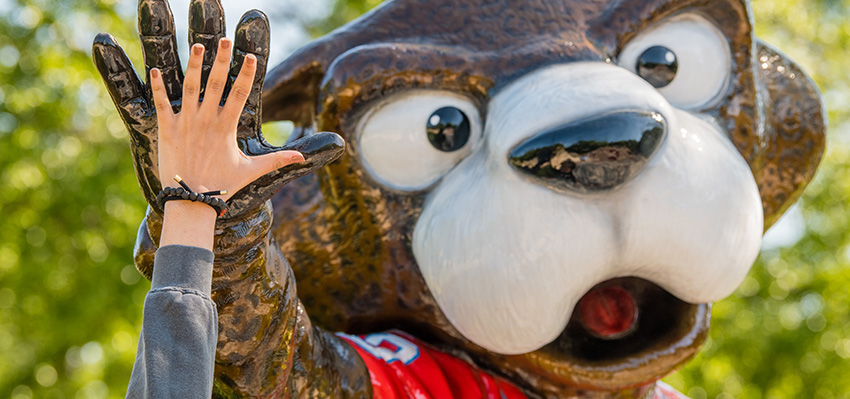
265 164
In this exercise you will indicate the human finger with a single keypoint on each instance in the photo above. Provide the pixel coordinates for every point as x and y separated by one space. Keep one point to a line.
160 94
159 44
206 27
218 75
192 81
241 89
252 37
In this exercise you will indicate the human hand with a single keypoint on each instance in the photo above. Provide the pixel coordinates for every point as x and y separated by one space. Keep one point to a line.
136 106
199 142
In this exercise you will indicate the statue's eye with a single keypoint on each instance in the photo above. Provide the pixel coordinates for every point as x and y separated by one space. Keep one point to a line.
410 140
686 58
658 66
448 129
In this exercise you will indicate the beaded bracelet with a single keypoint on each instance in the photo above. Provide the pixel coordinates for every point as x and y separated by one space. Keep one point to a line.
185 193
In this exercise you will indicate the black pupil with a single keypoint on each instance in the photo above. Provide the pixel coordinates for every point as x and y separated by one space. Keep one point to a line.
448 129
658 66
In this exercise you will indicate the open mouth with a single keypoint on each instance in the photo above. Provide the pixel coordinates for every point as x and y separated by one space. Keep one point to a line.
624 333
624 317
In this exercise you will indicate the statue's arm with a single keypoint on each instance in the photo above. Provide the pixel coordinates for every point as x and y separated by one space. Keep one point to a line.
266 344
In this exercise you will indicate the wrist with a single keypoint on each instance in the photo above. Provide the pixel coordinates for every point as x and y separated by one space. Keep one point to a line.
182 194
188 223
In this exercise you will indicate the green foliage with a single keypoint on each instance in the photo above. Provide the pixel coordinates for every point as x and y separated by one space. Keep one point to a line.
69 295
786 331
342 12
70 299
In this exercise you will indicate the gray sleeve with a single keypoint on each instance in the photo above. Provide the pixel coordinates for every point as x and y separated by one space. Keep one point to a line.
176 352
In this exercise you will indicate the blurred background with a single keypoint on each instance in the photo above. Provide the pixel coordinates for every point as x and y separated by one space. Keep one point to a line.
71 300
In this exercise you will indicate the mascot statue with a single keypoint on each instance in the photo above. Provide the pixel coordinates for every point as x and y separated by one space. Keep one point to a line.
521 199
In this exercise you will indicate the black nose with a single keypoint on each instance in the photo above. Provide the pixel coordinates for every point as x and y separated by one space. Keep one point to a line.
591 155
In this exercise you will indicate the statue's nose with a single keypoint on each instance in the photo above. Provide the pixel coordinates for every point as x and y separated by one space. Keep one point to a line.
591 155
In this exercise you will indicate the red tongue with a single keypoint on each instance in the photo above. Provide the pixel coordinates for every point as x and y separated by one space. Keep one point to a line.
608 312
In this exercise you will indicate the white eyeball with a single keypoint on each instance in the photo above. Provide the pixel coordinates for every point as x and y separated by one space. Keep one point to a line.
411 140
686 58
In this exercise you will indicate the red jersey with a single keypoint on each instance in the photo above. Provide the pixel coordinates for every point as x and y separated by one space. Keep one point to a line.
402 367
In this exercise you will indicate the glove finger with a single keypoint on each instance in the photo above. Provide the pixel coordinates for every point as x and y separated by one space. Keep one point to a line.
252 37
206 27
159 45
128 94
318 150
122 82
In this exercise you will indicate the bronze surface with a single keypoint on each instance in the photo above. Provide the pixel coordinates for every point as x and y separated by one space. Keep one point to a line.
267 346
794 140
366 278
348 239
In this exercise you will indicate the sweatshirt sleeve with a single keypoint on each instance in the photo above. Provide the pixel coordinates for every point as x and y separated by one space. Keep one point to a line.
176 352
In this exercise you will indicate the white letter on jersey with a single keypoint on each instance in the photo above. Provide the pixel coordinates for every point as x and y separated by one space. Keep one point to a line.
405 351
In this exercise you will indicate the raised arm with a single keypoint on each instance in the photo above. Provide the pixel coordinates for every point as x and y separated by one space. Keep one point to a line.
266 344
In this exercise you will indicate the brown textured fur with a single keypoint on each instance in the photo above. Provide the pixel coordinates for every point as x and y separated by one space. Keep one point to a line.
348 238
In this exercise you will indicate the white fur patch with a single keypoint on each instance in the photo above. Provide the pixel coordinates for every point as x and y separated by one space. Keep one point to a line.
507 259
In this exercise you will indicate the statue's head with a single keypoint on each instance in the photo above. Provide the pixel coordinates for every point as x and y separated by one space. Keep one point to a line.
557 188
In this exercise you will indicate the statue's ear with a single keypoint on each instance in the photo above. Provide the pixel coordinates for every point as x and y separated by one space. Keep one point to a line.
291 89
794 136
